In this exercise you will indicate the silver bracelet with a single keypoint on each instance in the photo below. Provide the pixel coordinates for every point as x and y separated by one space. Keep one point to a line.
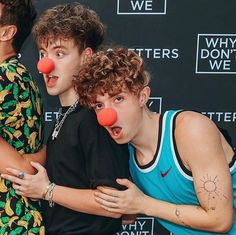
50 194
46 191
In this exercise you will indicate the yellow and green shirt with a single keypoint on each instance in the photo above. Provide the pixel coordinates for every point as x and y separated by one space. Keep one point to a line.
21 126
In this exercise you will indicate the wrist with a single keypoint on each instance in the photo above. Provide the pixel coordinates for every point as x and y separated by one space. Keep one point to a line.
48 194
45 192
143 206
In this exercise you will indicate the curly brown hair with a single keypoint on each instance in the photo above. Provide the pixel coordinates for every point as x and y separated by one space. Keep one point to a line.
20 13
70 21
110 71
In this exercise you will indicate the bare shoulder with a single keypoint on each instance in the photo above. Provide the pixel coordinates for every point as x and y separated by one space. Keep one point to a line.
193 123
197 137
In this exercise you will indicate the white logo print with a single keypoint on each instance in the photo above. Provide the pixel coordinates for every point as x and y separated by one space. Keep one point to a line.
141 7
216 54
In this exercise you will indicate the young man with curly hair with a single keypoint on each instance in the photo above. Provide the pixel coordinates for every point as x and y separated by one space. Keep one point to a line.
80 154
20 118
184 168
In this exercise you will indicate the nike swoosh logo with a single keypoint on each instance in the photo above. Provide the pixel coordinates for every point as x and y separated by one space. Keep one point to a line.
165 173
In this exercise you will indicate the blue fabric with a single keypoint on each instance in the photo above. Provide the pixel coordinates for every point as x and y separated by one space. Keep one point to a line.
165 180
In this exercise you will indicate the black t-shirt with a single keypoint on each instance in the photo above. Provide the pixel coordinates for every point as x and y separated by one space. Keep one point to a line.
83 156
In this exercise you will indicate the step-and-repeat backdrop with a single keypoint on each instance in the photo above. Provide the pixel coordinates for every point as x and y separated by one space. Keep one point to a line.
190 49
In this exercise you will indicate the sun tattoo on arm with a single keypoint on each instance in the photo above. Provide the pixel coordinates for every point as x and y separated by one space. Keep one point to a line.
211 189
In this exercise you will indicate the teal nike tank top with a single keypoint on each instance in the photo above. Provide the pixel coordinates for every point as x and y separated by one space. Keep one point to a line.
165 177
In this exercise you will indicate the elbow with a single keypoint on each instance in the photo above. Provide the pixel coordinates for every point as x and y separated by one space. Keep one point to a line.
224 225
225 228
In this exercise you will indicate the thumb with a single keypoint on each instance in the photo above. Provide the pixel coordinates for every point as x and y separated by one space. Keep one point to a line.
124 182
37 166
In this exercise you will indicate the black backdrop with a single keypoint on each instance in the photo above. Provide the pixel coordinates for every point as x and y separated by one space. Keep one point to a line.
189 47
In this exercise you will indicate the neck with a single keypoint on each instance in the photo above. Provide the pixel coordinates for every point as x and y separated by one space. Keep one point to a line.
68 99
148 131
6 52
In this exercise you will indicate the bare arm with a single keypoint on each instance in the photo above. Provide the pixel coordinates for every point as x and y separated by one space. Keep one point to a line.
34 186
81 200
39 157
9 157
200 148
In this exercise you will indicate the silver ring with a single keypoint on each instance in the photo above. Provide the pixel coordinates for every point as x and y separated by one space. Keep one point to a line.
21 175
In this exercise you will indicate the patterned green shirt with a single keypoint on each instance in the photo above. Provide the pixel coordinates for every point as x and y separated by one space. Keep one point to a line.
21 126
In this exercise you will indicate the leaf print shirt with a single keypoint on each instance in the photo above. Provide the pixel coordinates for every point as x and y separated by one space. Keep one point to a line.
21 126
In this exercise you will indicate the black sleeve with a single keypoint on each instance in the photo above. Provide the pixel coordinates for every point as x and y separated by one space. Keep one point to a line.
105 159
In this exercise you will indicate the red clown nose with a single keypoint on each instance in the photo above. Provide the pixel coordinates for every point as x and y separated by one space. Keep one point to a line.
45 65
107 117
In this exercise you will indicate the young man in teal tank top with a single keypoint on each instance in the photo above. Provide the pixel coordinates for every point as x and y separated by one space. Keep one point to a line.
180 161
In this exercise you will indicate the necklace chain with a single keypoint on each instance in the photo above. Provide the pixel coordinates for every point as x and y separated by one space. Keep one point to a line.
59 123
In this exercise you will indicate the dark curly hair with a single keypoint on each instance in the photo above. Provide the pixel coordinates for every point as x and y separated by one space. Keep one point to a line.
20 13
110 71
70 21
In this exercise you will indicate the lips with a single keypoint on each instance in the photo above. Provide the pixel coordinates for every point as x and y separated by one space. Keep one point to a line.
115 132
51 81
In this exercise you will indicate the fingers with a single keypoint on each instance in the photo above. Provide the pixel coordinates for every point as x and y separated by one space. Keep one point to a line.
114 210
21 175
124 182
106 197
108 191
19 189
13 179
16 173
37 166
19 180
109 204
105 202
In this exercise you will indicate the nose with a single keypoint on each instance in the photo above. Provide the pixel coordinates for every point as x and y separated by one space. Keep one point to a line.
45 65
107 117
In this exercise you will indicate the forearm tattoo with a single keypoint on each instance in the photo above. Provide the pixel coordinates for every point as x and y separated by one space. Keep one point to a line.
179 217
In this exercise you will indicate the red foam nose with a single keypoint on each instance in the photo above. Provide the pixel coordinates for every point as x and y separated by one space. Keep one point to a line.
107 117
45 65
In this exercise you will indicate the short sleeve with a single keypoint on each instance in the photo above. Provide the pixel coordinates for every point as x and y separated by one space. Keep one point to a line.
105 159
11 94
20 108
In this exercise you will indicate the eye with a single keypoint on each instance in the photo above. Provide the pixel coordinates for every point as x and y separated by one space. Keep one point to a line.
60 54
42 54
119 99
98 106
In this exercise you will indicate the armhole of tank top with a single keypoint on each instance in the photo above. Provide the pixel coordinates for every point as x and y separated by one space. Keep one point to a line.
185 170
233 161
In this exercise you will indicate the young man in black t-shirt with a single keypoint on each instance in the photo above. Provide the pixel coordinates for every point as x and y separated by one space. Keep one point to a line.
80 153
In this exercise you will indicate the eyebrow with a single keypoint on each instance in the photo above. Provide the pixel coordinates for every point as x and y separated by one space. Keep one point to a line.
59 47
54 47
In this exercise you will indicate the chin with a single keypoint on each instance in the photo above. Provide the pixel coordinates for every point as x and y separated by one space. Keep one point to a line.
52 93
121 141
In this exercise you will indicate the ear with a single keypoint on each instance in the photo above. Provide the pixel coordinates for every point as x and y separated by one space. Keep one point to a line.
8 32
86 53
144 96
